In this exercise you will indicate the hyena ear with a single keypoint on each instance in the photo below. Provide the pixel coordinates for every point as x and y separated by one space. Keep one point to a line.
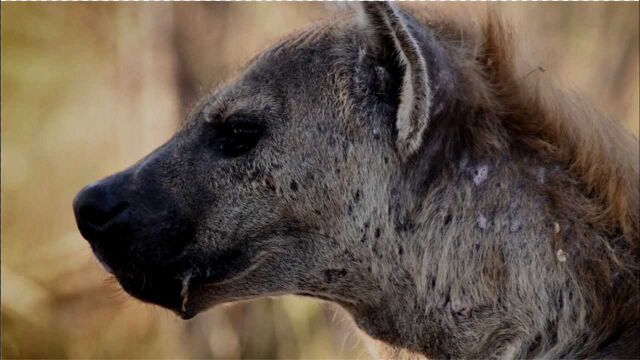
391 38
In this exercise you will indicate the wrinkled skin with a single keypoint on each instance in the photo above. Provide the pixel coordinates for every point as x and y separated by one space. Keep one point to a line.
200 227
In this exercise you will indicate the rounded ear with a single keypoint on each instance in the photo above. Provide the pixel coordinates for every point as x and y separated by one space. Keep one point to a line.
390 34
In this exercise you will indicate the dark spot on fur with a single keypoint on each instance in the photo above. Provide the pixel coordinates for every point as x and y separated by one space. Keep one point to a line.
331 275
400 250
403 225
345 149
357 195
270 184
534 347
293 185
461 309
363 238
386 160
255 174
447 219
377 232
350 256
447 299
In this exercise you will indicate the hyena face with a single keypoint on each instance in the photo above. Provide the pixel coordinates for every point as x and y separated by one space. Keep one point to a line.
272 183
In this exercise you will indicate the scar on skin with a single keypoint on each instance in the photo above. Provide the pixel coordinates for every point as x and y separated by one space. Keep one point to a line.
480 174
561 255
482 222
361 54
515 225
540 175
184 293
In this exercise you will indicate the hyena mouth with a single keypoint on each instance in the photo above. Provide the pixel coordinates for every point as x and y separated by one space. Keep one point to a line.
157 289
173 288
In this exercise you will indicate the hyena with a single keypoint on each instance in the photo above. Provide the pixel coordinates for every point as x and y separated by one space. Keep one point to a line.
395 162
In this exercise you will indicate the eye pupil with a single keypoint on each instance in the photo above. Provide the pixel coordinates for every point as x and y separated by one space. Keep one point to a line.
237 137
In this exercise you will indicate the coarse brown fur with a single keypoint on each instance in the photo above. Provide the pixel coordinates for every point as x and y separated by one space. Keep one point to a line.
407 167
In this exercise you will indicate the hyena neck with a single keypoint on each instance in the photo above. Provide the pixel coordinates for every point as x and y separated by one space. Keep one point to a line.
439 261
478 266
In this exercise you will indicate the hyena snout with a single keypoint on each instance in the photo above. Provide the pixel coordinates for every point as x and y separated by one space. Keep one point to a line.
131 226
137 233
99 210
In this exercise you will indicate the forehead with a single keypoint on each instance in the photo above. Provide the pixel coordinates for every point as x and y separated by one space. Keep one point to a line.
298 68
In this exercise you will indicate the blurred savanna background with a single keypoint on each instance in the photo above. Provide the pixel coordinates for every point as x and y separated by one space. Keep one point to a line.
89 88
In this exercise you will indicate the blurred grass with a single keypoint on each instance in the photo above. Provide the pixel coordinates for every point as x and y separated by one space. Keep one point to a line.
87 89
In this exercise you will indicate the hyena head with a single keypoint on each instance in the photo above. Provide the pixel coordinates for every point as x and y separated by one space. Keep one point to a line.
277 180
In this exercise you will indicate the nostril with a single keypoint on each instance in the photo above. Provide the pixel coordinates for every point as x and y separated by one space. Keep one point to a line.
96 215
95 206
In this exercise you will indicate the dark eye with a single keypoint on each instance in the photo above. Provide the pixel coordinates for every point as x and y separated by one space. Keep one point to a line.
234 138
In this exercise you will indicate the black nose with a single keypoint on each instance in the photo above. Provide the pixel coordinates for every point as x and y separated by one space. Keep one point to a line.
96 207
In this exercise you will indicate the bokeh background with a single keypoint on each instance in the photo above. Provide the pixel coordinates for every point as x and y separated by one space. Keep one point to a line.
88 89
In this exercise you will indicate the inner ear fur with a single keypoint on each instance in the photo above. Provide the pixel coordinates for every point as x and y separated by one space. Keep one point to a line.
399 50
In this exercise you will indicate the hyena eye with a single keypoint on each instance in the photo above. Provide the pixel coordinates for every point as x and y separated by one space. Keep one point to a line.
234 138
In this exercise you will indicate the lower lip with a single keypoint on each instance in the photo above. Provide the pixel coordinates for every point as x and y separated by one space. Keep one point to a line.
171 295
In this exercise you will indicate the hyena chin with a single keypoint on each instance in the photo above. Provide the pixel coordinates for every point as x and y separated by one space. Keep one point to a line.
395 162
